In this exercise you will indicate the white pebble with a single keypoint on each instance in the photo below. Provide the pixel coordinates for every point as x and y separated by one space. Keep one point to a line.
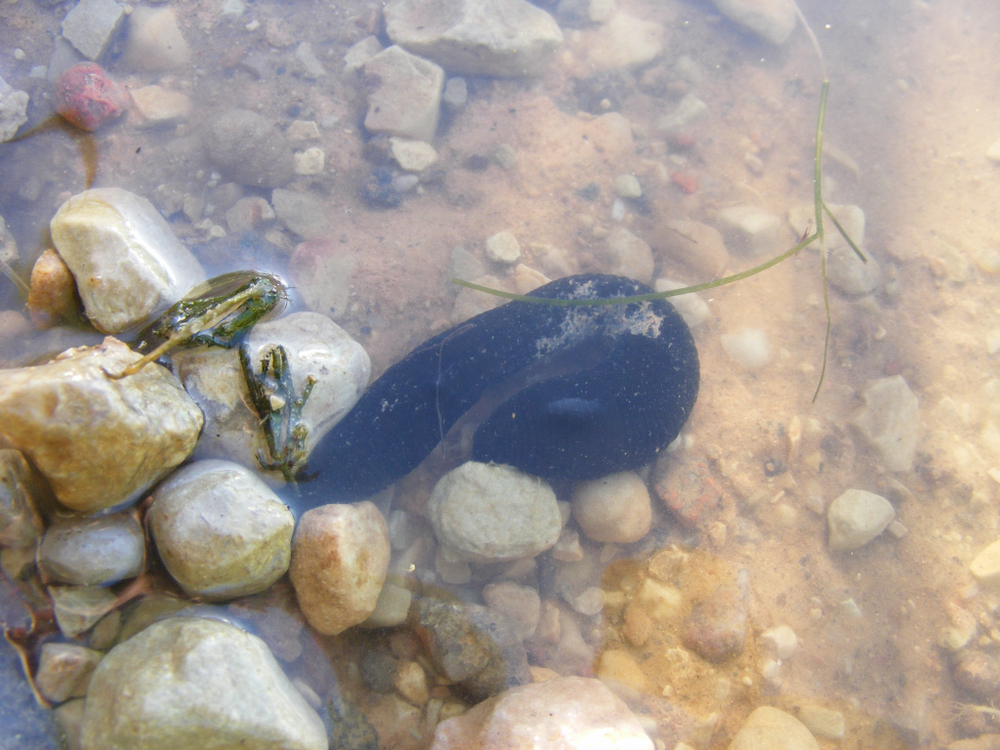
615 508
748 347
857 517
627 186
783 640
503 247
618 210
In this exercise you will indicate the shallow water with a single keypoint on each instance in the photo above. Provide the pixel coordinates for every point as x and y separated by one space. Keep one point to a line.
910 117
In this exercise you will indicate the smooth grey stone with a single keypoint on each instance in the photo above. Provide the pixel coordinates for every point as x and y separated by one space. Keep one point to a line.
95 551
248 149
301 214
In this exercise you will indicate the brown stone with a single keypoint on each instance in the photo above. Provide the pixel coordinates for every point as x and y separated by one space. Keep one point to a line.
53 296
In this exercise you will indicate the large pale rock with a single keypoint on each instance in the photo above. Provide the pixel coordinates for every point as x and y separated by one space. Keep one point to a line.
476 37
188 682
490 512
890 422
857 517
769 728
340 557
774 20
568 713
94 551
220 531
404 94
128 265
98 441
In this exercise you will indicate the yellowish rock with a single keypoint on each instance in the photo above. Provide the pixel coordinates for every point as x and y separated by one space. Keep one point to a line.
986 565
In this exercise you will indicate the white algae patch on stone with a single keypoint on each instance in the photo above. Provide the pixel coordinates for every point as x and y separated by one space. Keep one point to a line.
220 531
749 347
890 422
188 682
769 728
476 37
570 713
857 517
99 442
404 94
614 508
490 512
340 557
128 265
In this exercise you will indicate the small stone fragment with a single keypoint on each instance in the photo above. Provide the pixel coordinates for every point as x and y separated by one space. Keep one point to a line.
128 265
748 347
340 557
476 37
783 640
581 712
503 247
751 229
248 213
411 683
986 565
88 98
302 130
13 110
978 673
309 162
857 517
160 106
404 94
698 245
822 722
64 670
248 149
890 422
689 110
361 52
845 270
628 255
220 531
521 605
70 419
624 42
188 682
717 627
773 20
78 608
301 213
323 275
455 94
392 607
413 156
91 25
94 551
769 728
491 512
615 508
627 186
20 522
155 42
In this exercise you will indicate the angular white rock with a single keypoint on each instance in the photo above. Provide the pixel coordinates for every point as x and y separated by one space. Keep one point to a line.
13 110
569 713
783 640
615 508
476 37
986 565
340 558
413 156
128 265
100 442
857 517
405 97
751 229
188 682
492 512
890 422
220 531
503 247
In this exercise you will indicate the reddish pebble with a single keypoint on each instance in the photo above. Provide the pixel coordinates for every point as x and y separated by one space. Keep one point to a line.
86 97
681 140
688 183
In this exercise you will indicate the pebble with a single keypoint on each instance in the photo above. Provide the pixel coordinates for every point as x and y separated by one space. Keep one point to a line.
91 25
769 728
300 213
248 213
783 640
302 130
248 149
71 420
748 347
473 646
88 98
404 98
985 567
93 551
503 247
20 522
961 630
579 714
521 605
155 42
844 270
627 186
697 245
128 265
411 683
628 255
413 156
13 110
78 608
305 55
340 557
624 43
823 722
361 52
615 508
857 517
194 682
751 229
391 609
689 110
220 531
978 673
496 38
159 106
491 512
692 307
323 274
64 669
773 20
717 626
455 94
890 422
309 162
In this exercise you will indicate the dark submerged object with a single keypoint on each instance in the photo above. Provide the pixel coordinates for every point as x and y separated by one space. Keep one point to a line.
632 386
